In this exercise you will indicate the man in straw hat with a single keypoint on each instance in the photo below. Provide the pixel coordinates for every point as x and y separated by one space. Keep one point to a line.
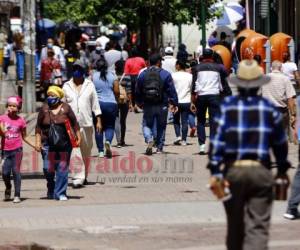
248 126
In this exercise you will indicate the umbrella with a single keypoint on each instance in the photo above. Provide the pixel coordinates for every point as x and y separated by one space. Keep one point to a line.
231 12
46 23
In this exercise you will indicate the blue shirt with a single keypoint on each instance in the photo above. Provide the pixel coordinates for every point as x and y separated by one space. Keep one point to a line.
247 128
169 91
104 88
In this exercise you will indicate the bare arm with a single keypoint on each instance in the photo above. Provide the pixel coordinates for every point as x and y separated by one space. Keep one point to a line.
25 139
116 89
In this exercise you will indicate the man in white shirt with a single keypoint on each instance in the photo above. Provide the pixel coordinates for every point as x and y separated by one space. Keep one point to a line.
169 61
102 40
281 93
80 94
289 68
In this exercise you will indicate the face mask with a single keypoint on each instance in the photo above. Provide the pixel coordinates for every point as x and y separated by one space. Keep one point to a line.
98 48
77 74
52 100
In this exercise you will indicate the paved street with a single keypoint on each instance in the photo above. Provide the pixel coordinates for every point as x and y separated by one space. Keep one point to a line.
132 202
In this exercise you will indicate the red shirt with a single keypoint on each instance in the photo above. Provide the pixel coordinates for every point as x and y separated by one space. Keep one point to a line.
134 65
47 68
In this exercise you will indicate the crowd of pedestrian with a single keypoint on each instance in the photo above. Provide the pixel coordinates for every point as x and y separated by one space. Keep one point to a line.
104 85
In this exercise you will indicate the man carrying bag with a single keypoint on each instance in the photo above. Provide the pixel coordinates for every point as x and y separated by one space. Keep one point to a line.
248 127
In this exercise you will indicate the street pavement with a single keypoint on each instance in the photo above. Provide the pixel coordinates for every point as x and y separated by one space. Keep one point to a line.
132 202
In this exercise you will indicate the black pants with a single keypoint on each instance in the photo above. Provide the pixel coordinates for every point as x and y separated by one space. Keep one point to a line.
120 126
133 79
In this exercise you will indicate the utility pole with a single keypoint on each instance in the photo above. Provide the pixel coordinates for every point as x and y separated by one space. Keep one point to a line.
29 92
203 23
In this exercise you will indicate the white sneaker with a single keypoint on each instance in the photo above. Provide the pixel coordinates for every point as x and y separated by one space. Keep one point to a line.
202 150
289 216
63 198
17 199
177 141
183 143
101 154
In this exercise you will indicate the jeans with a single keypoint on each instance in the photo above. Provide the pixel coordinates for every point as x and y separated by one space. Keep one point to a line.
108 119
192 118
294 200
6 61
183 114
212 103
155 114
12 164
120 126
146 130
56 170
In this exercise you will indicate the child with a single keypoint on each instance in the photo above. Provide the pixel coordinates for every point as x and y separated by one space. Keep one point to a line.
12 130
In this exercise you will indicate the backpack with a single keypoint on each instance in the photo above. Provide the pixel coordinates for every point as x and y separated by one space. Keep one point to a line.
153 86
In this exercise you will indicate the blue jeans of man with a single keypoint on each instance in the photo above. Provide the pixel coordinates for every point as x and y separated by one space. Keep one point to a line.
56 170
155 114
183 115
12 164
192 118
294 200
212 103
108 119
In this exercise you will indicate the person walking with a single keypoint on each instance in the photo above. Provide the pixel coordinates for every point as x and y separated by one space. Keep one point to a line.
50 71
248 127
12 131
208 82
292 211
80 94
183 85
53 141
133 65
281 93
155 91
107 89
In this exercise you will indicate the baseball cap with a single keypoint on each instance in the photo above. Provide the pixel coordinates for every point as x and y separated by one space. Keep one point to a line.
169 50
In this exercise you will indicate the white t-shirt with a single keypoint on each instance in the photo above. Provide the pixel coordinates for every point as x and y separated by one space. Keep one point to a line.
183 85
112 56
288 69
169 63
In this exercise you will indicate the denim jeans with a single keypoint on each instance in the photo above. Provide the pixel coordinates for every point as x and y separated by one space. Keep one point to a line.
155 115
120 126
212 103
108 119
56 170
12 164
192 118
294 200
183 115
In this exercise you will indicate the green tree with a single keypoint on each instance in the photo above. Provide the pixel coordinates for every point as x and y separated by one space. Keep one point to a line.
144 16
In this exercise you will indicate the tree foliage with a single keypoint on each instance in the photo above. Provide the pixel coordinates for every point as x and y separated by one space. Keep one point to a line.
126 11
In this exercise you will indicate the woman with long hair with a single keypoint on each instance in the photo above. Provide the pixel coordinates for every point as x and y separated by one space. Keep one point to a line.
107 88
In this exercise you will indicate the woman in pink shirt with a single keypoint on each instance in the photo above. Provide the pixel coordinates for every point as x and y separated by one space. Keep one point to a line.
133 65
12 130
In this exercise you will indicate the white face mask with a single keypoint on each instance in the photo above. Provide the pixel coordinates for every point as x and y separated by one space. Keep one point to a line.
98 48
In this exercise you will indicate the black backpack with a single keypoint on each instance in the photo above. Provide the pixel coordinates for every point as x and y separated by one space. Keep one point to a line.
153 86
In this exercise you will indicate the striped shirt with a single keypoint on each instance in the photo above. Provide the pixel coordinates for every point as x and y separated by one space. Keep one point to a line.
279 89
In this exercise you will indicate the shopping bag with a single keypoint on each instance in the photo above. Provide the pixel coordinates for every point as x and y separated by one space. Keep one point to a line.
77 168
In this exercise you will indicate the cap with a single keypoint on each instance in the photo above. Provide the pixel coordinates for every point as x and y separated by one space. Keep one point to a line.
169 50
207 53
78 63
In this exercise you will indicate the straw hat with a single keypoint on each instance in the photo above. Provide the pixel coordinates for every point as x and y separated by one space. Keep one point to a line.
249 75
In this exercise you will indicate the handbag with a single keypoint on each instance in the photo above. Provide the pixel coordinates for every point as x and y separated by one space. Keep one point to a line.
58 137
123 95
